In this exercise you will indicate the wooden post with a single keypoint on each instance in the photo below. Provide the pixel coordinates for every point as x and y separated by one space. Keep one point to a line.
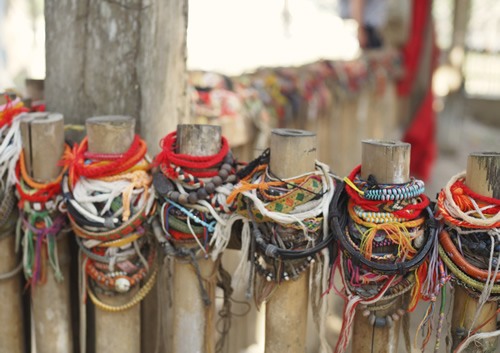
43 144
11 311
93 68
193 323
293 152
482 176
389 162
115 331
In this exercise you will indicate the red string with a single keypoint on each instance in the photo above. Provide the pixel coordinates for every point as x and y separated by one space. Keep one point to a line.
410 211
78 166
10 112
462 192
167 159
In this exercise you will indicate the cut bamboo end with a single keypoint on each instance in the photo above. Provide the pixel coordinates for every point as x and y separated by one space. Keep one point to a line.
293 152
43 144
483 173
110 133
387 161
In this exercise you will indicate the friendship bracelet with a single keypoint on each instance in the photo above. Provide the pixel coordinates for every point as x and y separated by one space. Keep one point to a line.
339 223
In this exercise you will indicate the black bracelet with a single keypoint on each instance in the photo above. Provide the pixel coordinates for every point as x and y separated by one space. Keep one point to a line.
338 222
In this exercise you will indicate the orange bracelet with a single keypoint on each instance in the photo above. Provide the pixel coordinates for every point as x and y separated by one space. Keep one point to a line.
460 261
33 184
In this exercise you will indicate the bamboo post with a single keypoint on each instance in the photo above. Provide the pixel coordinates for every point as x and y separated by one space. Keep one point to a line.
193 324
115 331
11 309
389 163
11 312
482 176
293 152
43 144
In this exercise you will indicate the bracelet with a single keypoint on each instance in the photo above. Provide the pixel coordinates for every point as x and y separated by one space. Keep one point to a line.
460 261
141 294
469 281
123 230
339 222
121 283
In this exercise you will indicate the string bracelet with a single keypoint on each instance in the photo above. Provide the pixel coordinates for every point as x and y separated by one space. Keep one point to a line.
469 245
40 224
194 190
109 199
284 233
386 235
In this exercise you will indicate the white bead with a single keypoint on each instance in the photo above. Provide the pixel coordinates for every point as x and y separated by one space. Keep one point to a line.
122 285
50 205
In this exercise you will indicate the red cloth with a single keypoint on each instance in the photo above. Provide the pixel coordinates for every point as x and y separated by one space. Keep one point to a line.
421 136
421 132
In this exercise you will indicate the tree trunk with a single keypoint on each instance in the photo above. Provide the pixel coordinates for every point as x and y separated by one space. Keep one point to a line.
118 57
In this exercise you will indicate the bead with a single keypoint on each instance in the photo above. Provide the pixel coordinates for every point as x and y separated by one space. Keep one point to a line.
174 196
202 194
418 242
210 187
232 179
223 174
371 319
192 197
50 205
217 180
161 183
395 317
380 322
228 159
285 276
227 167
366 313
122 285
401 312
183 198
269 277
